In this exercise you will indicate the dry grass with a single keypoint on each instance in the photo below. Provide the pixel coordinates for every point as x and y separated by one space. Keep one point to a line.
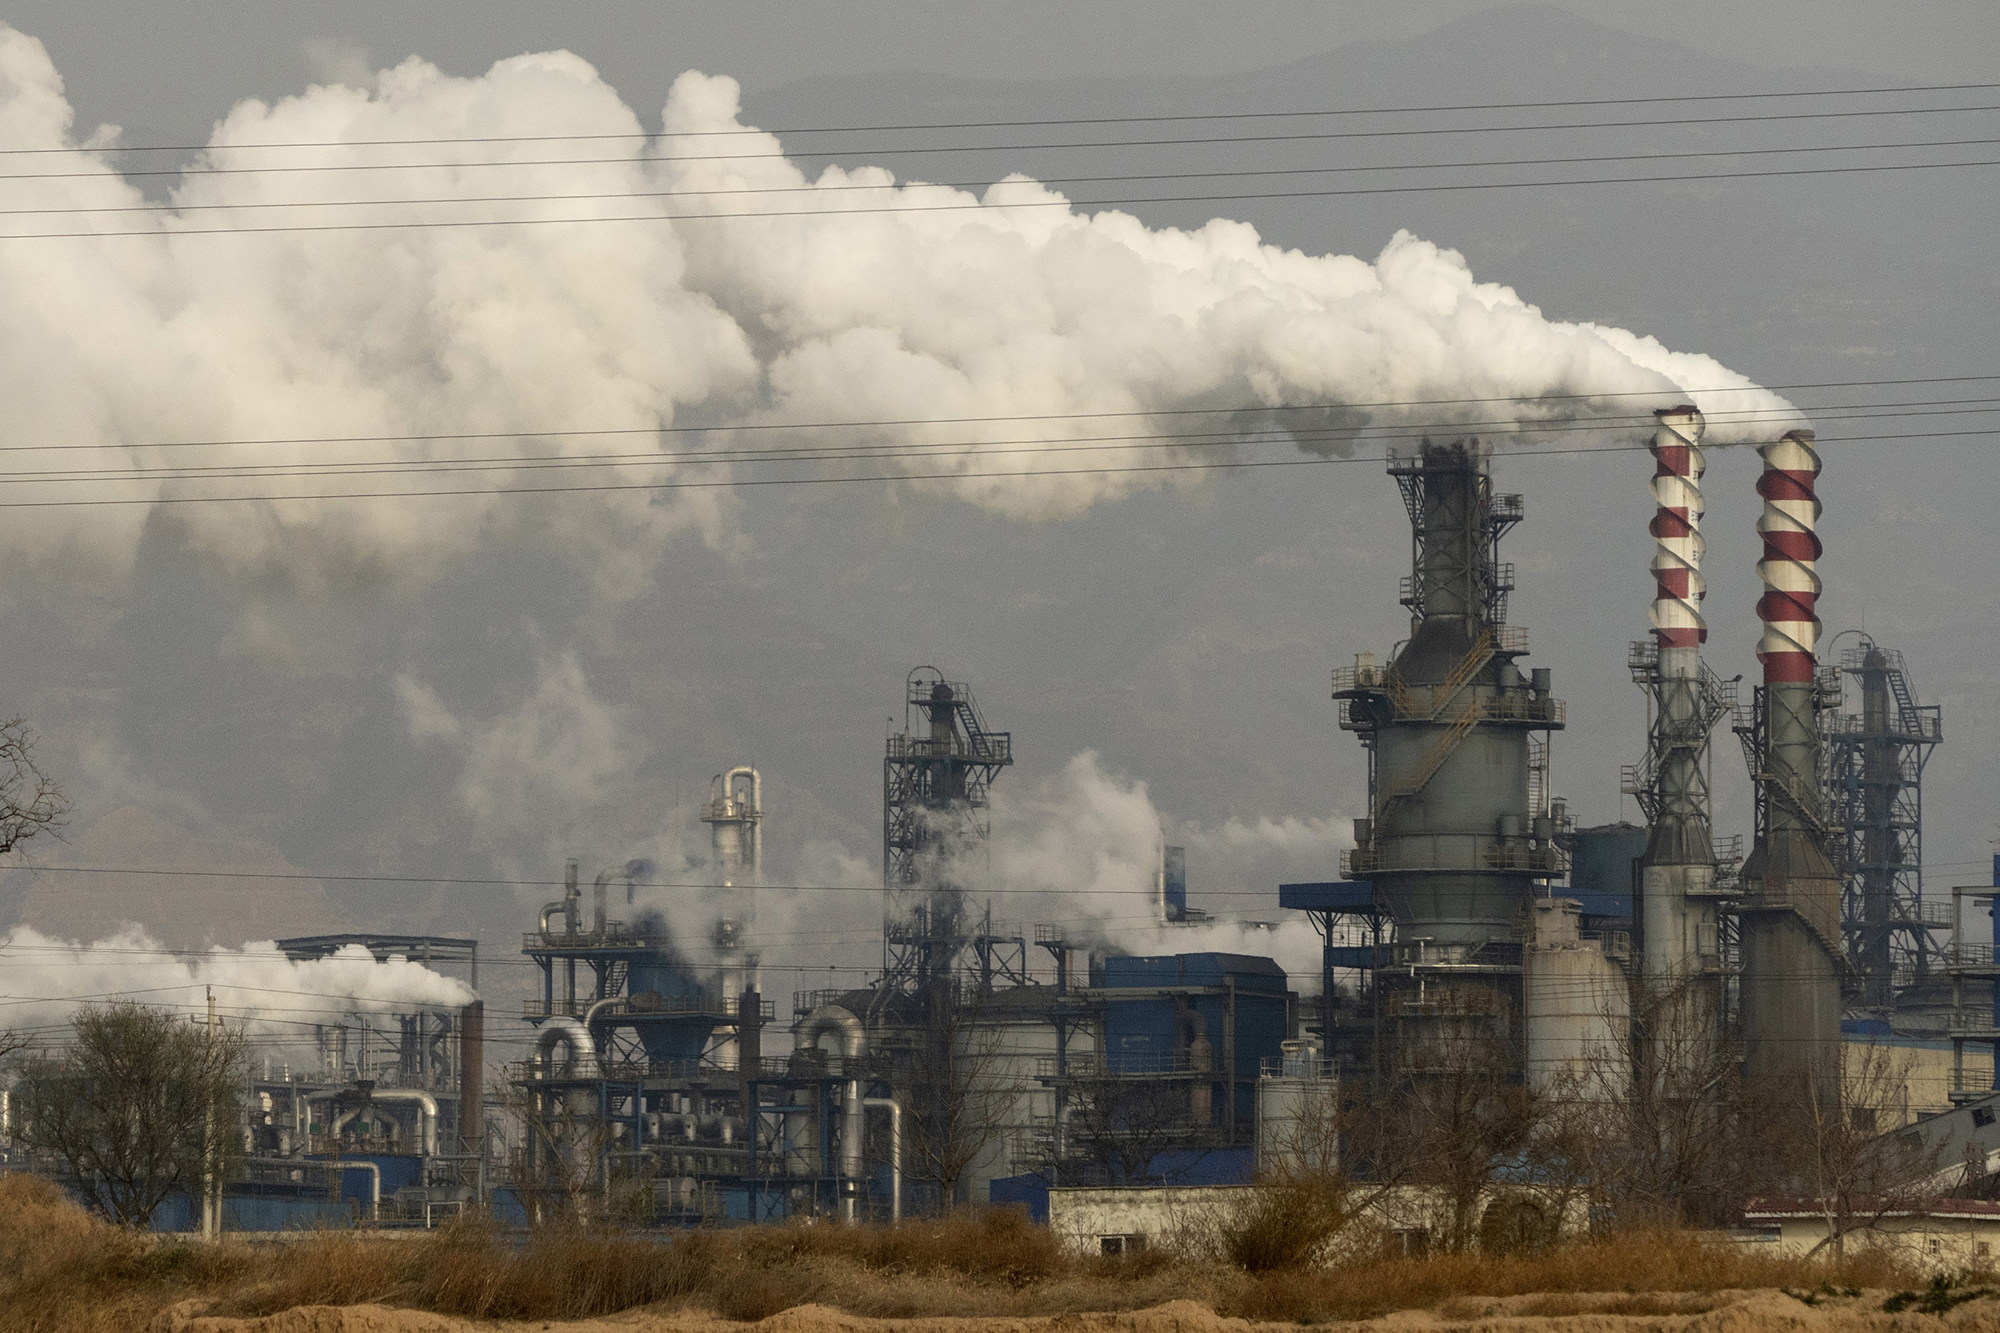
1635 1263
63 1272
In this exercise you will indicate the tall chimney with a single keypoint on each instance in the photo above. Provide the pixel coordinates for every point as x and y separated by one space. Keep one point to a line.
1679 938
472 1077
1792 953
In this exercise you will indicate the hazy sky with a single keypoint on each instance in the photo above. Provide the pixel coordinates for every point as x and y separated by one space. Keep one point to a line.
473 690
169 66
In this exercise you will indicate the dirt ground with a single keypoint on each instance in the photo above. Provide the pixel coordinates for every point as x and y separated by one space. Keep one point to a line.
1614 1312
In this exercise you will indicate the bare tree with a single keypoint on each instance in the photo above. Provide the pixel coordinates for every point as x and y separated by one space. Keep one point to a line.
1681 1119
31 802
1464 1120
573 1170
142 1105
1859 1172
960 1082
1119 1127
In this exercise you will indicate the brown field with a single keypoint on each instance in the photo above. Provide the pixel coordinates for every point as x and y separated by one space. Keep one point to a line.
989 1272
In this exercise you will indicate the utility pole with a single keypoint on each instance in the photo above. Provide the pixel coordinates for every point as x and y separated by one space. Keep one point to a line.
211 1205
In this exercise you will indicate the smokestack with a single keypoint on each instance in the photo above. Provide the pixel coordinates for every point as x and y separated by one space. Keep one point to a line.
1792 953
472 1078
1679 934
1678 584
1789 526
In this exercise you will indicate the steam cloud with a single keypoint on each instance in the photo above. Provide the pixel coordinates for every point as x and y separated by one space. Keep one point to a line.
685 316
278 1000
1082 847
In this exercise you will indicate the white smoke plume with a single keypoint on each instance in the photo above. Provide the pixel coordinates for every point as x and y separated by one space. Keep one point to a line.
43 980
853 298
1082 850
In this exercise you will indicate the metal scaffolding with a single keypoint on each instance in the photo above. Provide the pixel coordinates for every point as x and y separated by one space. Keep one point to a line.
1875 803
935 794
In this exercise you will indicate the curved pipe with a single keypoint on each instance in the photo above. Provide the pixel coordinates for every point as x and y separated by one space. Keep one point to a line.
425 1104
556 909
374 1175
832 1018
598 915
582 1049
895 1110
597 1007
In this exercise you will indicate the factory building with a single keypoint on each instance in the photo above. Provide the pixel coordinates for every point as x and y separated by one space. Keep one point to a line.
1472 938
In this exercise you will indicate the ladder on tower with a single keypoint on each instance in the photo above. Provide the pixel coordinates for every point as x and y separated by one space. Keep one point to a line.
1441 749
1467 667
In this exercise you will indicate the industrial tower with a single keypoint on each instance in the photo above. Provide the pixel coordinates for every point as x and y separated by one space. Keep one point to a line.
1460 830
1680 942
734 813
935 791
1876 804
1794 965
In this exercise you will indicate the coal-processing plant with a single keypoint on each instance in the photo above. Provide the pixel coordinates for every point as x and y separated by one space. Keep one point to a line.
1479 949
1473 932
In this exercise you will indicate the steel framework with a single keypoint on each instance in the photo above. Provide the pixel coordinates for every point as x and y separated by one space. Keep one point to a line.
936 788
1875 803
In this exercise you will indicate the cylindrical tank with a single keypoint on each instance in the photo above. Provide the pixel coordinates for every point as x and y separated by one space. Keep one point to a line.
1578 1011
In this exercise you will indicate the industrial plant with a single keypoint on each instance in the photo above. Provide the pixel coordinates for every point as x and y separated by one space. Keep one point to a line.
1480 949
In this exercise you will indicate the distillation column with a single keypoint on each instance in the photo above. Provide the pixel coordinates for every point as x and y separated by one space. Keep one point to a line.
734 813
1679 934
1460 830
1792 956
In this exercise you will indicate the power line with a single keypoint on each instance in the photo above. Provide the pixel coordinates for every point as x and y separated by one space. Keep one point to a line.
1279 435
1032 124
1323 136
1125 414
821 190
923 450
1215 465
989 209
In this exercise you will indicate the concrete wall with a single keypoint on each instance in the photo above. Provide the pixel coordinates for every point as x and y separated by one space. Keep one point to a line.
1945 1242
1922 1071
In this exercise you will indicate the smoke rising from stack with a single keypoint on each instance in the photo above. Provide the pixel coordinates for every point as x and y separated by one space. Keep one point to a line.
942 304
1084 844
277 999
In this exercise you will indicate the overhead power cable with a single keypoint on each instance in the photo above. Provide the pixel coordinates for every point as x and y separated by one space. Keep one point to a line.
1301 438
846 423
1231 141
816 190
1184 116
990 209
686 484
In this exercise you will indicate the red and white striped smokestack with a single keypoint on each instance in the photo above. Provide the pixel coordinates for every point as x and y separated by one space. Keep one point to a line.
1678 587
1791 551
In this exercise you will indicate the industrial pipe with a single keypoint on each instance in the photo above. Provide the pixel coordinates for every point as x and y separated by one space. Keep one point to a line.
568 1032
826 1019
374 1175
598 915
753 852
427 1108
895 1110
